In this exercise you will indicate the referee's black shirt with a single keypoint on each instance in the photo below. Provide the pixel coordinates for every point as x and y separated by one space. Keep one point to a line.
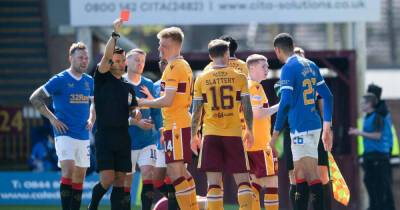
112 97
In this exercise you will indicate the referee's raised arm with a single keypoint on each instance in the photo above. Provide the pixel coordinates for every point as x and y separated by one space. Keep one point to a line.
106 60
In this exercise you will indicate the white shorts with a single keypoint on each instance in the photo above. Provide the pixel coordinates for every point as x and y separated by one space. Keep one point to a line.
160 162
68 148
305 144
144 157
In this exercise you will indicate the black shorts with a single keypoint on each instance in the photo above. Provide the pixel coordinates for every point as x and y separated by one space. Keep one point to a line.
113 150
287 151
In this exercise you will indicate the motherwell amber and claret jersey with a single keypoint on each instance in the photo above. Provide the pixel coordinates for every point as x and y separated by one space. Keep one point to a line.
177 76
221 90
237 64
261 127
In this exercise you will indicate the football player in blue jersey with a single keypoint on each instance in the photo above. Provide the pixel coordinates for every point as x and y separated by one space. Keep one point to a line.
141 131
73 117
300 81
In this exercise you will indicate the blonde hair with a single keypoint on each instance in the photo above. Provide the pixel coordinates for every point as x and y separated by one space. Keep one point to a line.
136 50
174 33
255 58
77 46
299 51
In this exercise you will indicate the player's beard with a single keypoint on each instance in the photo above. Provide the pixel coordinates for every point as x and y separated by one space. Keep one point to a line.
80 69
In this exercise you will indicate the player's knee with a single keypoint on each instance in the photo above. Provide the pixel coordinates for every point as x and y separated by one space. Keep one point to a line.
119 180
324 175
107 182
67 168
271 181
292 179
174 171
159 173
79 174
147 172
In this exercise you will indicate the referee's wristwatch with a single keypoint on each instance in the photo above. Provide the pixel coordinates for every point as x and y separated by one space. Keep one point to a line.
115 35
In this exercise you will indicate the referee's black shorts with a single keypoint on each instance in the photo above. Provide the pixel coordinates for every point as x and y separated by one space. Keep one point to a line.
113 149
287 151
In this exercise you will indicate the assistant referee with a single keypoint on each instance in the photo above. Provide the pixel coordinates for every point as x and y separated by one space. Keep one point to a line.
114 102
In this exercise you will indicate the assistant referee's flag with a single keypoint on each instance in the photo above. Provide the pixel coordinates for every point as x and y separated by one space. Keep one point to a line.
341 191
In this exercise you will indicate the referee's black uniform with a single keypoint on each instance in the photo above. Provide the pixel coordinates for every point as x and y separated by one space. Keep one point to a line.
113 99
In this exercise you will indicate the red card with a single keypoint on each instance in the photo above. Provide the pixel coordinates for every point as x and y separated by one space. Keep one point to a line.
125 15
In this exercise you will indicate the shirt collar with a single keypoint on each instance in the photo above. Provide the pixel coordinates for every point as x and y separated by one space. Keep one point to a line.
288 59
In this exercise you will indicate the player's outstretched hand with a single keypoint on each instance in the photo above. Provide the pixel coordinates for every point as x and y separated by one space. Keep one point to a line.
146 91
248 138
327 136
58 125
117 24
195 144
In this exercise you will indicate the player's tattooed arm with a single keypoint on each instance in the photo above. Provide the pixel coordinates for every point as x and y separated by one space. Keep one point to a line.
38 100
196 115
196 118
247 111
106 60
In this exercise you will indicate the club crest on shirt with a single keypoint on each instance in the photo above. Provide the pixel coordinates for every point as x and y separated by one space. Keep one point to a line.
129 98
256 97
87 86
70 85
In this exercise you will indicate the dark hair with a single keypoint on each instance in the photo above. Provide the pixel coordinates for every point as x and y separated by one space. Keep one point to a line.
217 48
119 50
376 90
284 42
371 98
233 46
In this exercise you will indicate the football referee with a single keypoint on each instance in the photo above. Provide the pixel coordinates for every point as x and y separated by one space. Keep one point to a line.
115 101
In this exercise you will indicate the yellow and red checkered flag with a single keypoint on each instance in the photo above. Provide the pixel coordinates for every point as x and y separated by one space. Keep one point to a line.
341 191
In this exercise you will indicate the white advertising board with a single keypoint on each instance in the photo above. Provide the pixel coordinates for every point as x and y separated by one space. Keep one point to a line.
194 12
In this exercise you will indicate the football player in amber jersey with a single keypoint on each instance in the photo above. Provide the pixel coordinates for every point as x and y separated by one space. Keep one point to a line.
220 92
175 101
233 62
263 162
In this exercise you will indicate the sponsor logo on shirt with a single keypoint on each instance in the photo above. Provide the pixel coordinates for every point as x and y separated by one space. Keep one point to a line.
78 99
256 97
